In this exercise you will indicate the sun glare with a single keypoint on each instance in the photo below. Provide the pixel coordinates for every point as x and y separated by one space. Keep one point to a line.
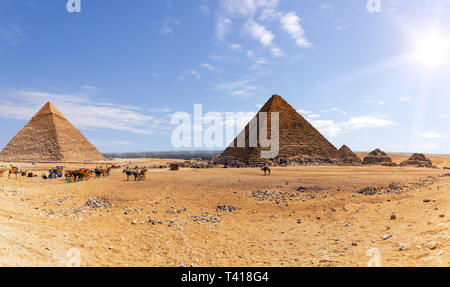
432 50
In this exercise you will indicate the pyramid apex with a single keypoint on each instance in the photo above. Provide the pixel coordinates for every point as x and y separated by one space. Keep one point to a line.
49 108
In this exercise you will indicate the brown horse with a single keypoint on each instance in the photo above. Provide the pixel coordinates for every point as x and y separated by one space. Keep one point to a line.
266 169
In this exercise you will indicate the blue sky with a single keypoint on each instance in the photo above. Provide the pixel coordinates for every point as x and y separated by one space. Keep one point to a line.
120 69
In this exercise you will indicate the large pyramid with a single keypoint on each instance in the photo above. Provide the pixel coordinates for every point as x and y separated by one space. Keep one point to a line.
297 137
48 137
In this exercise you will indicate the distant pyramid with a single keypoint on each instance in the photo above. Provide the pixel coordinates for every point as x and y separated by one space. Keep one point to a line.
297 136
379 157
49 136
348 156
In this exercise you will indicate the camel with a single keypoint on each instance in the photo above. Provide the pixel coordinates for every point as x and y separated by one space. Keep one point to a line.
13 170
265 169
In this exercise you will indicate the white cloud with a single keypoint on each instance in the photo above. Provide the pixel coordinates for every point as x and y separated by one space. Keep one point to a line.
238 88
194 73
291 23
366 122
304 112
167 29
204 9
83 112
432 135
405 99
259 32
236 47
380 103
333 129
325 6
223 27
207 66
263 11
263 35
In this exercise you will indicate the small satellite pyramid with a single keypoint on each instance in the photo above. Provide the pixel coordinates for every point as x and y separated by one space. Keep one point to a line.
297 137
49 137
348 156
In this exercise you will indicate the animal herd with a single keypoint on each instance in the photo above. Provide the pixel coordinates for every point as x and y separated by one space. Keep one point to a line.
139 174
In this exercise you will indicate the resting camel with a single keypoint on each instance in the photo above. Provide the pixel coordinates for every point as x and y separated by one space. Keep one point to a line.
265 169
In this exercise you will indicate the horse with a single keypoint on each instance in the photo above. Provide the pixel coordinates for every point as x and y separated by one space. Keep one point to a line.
13 170
265 169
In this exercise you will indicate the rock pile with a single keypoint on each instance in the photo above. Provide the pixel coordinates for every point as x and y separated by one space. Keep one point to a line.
418 160
280 197
378 157
226 208
370 190
95 202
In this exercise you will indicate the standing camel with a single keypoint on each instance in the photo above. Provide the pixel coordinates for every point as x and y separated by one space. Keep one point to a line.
13 170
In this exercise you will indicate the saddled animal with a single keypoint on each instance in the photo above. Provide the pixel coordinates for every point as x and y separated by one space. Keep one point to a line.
102 171
129 173
79 174
141 174
138 174
13 170
266 170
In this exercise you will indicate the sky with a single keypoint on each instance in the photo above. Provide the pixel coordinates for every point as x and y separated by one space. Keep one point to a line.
119 70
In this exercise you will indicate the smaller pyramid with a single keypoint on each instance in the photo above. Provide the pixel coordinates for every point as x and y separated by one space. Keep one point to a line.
378 157
49 137
348 156
418 160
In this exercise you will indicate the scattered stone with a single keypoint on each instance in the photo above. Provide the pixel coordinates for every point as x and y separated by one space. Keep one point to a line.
134 222
370 190
401 247
427 200
226 208
387 236
354 244
95 202
299 221
393 217
432 245
301 189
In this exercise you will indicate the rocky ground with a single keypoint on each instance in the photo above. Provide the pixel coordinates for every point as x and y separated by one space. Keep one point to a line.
298 216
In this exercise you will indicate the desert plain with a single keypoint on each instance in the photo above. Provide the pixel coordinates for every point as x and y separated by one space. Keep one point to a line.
298 216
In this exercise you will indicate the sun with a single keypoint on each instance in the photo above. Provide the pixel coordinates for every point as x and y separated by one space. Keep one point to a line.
432 50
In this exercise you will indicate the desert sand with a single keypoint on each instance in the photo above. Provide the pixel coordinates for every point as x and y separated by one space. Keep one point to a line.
154 223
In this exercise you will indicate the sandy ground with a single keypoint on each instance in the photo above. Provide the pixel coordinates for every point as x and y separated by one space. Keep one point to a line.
153 223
